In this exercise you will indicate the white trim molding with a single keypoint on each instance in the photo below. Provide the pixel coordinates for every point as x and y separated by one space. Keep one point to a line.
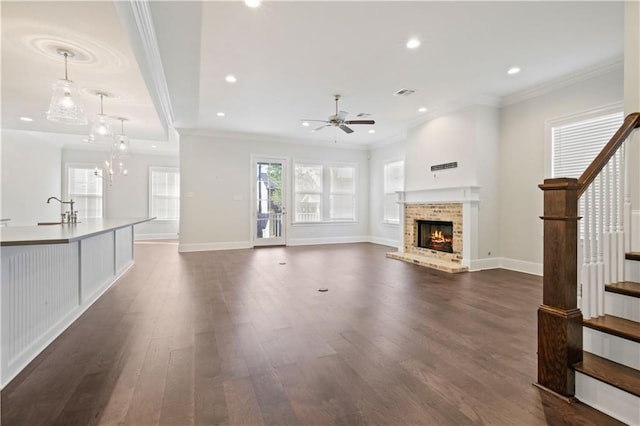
517 265
231 245
327 240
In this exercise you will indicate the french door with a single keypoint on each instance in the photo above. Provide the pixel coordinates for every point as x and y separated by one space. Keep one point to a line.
269 202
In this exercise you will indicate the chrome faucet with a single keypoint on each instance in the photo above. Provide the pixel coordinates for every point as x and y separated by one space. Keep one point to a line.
72 215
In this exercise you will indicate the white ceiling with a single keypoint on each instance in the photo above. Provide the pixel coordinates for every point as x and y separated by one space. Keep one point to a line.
291 57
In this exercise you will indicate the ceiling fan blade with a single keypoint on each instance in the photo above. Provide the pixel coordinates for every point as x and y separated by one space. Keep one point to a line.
346 129
342 115
321 127
360 122
321 121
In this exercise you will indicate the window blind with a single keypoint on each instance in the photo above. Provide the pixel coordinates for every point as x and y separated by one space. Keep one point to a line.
576 144
85 188
393 181
164 193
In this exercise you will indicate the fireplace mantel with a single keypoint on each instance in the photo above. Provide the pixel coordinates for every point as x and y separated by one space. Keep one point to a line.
455 194
467 196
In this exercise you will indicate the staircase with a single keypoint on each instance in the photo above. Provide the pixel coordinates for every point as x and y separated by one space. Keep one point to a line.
608 377
589 320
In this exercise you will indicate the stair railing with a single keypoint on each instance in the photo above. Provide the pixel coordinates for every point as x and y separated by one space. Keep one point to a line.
601 235
559 318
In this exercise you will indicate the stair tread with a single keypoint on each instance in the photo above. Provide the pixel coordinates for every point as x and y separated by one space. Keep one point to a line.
612 373
617 326
628 288
634 255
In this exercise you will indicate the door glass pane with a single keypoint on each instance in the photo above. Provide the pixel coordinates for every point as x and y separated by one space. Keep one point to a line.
269 200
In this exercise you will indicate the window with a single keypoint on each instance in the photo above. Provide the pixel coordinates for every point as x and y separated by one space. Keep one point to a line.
85 188
324 192
575 144
393 181
342 197
164 193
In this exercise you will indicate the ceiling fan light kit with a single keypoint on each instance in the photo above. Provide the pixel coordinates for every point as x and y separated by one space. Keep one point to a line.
65 106
338 120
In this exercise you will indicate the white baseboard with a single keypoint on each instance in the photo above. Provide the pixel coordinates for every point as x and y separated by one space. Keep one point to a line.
231 245
327 240
532 268
481 264
164 236
385 241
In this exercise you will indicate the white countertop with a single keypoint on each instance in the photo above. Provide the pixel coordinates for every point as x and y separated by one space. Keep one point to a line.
62 233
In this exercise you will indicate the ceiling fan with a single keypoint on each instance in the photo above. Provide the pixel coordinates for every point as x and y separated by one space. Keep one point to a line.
339 120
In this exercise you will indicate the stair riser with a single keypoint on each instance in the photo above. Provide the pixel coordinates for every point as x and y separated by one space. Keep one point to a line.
632 270
614 348
608 399
622 306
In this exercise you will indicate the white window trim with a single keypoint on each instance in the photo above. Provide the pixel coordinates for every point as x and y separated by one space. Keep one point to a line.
161 169
571 118
326 192
384 164
65 182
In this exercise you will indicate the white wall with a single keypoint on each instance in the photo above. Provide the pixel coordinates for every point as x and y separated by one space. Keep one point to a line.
215 188
128 197
382 233
522 160
486 154
30 175
469 137
442 140
632 104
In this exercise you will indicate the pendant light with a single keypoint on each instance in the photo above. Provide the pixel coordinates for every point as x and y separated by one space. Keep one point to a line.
112 168
101 124
65 106
121 145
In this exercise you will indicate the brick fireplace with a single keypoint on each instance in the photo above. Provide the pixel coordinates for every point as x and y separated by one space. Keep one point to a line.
439 228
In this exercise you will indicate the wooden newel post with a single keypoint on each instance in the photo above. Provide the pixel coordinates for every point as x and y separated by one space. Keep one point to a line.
559 319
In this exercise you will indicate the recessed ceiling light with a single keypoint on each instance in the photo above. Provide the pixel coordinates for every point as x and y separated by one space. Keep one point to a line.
305 123
422 109
413 43
220 114
513 70
154 146
26 118
372 131
231 78
252 3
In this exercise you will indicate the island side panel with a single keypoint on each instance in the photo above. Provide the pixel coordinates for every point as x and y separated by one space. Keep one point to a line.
97 265
124 249
40 298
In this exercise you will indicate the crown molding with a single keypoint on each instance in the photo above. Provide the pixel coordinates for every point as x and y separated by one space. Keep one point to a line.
138 24
594 71
257 137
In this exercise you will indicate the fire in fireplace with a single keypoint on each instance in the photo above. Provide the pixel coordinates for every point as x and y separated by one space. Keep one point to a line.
435 235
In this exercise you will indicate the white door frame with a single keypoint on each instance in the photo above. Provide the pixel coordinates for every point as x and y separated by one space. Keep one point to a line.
255 241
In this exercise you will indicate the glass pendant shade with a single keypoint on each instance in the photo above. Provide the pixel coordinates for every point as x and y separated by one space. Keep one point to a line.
65 106
121 145
101 127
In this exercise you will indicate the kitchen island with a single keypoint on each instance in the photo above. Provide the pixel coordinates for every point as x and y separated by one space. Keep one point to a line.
50 275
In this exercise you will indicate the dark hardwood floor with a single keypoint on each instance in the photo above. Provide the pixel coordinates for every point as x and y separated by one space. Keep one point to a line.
236 337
